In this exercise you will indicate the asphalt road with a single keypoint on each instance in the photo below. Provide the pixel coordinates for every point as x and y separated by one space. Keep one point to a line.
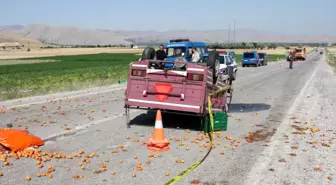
94 123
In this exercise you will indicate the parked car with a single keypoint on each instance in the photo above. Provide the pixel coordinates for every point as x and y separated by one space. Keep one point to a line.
226 60
250 58
263 57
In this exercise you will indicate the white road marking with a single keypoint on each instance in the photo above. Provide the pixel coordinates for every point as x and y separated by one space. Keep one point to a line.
82 127
64 97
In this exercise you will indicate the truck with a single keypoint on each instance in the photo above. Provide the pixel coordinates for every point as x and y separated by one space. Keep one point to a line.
300 53
177 85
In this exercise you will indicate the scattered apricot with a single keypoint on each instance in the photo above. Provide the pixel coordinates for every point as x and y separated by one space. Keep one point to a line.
28 178
167 174
113 173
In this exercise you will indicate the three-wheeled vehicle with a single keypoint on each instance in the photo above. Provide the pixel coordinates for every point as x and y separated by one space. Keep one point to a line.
175 85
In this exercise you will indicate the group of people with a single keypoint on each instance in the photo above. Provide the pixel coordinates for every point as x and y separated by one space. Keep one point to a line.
162 55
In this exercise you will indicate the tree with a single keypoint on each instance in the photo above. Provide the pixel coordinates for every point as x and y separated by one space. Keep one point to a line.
255 45
262 46
244 45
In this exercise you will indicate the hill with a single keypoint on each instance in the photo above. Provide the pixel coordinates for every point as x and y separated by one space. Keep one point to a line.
8 39
68 35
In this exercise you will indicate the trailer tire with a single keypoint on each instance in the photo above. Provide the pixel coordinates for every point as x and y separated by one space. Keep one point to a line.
213 63
148 54
229 72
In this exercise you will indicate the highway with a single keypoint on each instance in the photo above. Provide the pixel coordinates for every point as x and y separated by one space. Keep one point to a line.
264 98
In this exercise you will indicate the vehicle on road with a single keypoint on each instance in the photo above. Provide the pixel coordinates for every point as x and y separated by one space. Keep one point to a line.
177 49
263 57
183 88
300 53
227 60
250 58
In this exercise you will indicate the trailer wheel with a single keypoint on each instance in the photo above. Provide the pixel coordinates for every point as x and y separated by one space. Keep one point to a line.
213 63
148 54
229 72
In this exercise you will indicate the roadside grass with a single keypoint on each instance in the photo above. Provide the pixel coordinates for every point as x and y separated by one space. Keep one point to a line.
67 73
331 58
271 58
45 75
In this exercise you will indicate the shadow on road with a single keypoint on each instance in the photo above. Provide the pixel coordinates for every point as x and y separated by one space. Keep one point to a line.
248 107
177 121
169 121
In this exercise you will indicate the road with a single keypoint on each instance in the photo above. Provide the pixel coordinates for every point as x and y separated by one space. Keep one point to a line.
263 99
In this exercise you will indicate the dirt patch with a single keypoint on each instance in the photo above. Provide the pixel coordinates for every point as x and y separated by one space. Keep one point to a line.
12 62
259 135
299 128
64 51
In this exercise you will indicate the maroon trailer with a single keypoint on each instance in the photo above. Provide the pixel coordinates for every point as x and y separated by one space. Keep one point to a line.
182 89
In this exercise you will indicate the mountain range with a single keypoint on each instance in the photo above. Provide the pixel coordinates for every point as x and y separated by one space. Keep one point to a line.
69 35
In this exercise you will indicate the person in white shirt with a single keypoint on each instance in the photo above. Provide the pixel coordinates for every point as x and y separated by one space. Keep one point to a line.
195 55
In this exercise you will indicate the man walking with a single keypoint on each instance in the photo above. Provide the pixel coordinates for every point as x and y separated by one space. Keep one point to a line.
161 54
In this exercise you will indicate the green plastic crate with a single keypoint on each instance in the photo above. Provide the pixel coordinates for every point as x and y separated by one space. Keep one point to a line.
220 122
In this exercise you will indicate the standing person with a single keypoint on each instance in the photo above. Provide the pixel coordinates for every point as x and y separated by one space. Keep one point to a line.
195 55
161 54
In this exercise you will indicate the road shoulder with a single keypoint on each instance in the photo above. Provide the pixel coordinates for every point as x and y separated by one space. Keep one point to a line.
301 151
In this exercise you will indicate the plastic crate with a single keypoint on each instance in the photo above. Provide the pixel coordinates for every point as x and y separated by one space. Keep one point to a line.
220 122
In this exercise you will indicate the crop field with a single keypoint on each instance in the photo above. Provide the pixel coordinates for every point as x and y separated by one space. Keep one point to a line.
65 73
36 76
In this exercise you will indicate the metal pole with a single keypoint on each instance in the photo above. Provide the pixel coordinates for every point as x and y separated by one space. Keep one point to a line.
234 32
229 34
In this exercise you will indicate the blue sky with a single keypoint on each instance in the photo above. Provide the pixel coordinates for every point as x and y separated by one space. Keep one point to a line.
285 16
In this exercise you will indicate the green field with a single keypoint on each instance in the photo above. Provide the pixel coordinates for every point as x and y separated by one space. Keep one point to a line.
65 73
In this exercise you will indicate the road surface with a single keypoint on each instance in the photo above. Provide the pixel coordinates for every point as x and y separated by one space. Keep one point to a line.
264 100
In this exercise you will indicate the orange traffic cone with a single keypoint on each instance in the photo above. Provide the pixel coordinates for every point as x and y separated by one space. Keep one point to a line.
158 143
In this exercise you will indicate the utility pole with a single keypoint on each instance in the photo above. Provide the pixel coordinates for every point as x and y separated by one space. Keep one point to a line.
229 34
234 32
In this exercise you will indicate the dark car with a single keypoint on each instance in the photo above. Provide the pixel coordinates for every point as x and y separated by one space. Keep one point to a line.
263 58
